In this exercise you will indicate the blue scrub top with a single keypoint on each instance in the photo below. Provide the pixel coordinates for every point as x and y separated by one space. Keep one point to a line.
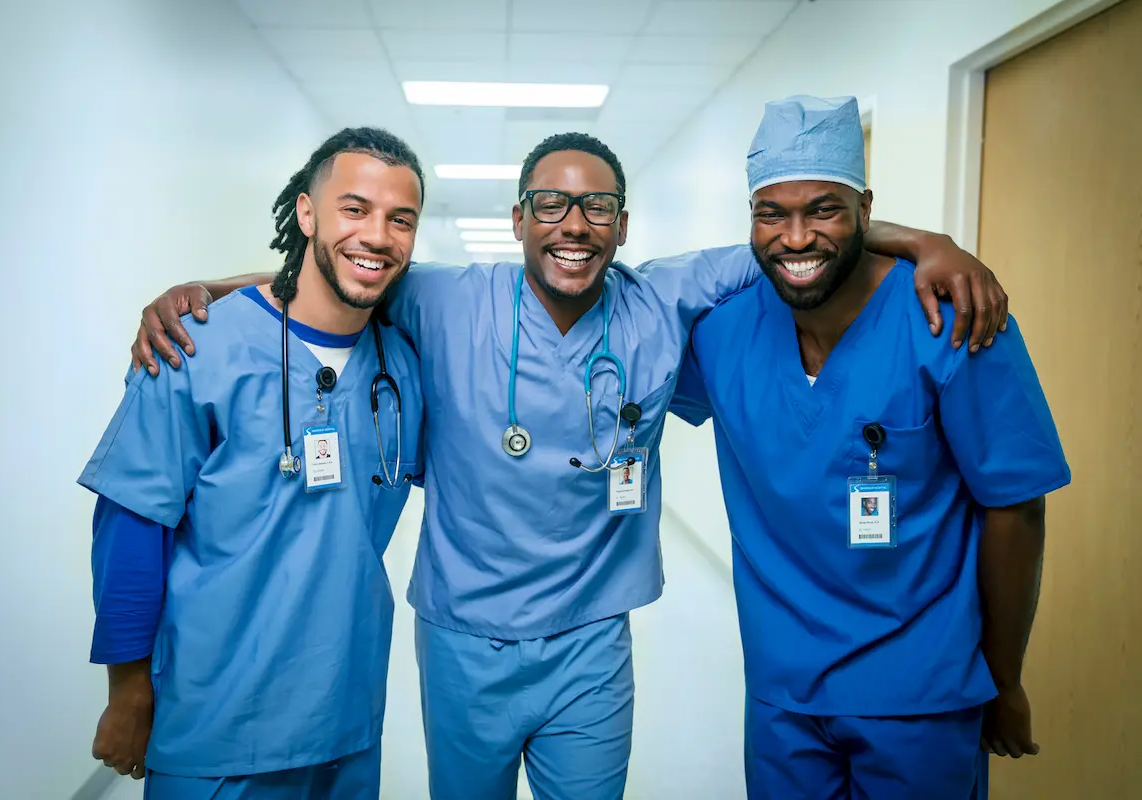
272 650
830 630
521 548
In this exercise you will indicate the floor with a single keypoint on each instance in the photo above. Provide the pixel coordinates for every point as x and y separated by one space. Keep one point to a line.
688 673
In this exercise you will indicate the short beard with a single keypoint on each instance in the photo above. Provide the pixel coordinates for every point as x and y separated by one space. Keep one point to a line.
837 271
328 271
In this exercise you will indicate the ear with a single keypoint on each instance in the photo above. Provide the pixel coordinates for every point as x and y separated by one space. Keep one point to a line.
306 214
517 222
865 209
623 228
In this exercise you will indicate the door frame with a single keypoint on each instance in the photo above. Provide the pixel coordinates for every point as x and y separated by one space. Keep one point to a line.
967 91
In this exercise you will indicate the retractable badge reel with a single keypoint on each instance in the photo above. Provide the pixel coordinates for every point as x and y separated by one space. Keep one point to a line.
872 499
626 474
323 467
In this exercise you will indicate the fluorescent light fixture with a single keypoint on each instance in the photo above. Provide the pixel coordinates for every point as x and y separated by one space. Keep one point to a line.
481 224
487 236
480 172
494 247
533 95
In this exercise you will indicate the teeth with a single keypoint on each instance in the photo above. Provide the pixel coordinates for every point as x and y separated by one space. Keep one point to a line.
366 263
801 269
574 256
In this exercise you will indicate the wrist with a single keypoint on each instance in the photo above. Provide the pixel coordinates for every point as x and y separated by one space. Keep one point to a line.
130 683
926 244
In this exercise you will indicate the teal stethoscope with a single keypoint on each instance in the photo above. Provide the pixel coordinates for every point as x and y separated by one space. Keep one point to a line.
516 439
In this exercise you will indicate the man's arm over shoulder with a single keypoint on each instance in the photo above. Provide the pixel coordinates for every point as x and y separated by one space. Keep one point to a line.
422 296
695 282
691 401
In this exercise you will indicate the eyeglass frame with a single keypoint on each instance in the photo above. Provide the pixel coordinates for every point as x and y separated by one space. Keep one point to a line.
572 201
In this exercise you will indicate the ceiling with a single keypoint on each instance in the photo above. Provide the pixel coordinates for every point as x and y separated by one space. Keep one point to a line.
663 60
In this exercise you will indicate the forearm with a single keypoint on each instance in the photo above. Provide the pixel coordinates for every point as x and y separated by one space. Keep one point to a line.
897 241
1010 567
129 681
220 288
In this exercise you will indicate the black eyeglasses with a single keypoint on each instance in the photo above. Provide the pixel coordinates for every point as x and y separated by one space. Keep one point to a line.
549 205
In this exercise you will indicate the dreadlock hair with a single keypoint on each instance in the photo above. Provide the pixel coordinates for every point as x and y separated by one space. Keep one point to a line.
290 239
580 142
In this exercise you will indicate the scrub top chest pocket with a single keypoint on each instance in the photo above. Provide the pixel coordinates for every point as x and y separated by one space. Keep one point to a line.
894 469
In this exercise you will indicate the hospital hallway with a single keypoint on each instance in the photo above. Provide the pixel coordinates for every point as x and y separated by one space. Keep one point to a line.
687 732
147 145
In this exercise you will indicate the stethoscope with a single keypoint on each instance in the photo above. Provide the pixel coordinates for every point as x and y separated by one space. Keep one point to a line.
289 464
516 439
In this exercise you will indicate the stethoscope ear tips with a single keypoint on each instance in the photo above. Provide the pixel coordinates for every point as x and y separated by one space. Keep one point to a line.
377 480
576 463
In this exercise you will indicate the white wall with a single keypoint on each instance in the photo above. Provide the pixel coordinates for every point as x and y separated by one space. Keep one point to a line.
141 144
894 53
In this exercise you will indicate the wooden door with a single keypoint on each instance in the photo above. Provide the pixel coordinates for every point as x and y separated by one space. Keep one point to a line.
1061 224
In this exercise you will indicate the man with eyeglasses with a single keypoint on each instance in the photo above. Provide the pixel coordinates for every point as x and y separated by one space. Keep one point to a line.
522 598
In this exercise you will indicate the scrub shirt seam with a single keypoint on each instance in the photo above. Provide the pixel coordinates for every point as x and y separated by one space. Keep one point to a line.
564 625
1058 481
235 768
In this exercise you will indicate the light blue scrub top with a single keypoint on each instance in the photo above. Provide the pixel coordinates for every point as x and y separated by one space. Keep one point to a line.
273 647
521 548
830 630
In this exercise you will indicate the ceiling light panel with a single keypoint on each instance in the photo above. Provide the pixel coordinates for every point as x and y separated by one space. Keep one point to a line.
479 172
505 95
487 236
483 224
493 247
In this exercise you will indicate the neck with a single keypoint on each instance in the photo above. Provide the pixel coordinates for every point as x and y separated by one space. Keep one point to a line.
819 329
565 311
317 306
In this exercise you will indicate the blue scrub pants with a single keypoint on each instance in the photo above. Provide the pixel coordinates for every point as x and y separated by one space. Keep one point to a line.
564 703
791 756
353 777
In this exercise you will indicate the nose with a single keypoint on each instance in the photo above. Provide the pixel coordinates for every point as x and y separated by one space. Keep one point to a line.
375 234
797 235
575 225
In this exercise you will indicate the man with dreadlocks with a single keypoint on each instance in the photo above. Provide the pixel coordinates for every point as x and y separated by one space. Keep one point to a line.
522 596
242 605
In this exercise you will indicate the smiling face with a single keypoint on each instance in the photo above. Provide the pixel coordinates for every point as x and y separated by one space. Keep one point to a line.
568 259
808 237
361 219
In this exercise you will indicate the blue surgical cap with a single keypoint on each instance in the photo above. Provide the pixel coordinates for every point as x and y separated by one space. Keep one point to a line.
808 139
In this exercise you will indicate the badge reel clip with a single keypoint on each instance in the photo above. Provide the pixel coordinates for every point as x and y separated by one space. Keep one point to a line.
626 474
872 498
323 467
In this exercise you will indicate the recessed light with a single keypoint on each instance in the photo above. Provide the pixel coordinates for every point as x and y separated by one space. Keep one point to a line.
487 236
508 95
484 224
494 247
482 172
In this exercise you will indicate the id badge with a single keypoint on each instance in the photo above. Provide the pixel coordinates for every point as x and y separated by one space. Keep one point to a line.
626 484
872 511
322 457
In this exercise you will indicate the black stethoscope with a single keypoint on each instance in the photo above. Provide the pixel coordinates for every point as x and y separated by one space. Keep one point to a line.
289 464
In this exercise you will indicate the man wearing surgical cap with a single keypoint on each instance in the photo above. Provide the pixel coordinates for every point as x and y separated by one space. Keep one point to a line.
880 650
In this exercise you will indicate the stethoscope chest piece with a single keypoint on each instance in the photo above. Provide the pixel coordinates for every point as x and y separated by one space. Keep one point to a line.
289 465
516 441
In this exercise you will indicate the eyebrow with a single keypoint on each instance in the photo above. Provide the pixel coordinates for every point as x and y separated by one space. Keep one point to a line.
366 202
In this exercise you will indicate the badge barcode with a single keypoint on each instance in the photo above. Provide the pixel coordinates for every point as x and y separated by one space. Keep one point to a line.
321 478
622 503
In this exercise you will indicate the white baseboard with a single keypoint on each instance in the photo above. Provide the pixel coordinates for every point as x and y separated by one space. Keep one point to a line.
96 785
